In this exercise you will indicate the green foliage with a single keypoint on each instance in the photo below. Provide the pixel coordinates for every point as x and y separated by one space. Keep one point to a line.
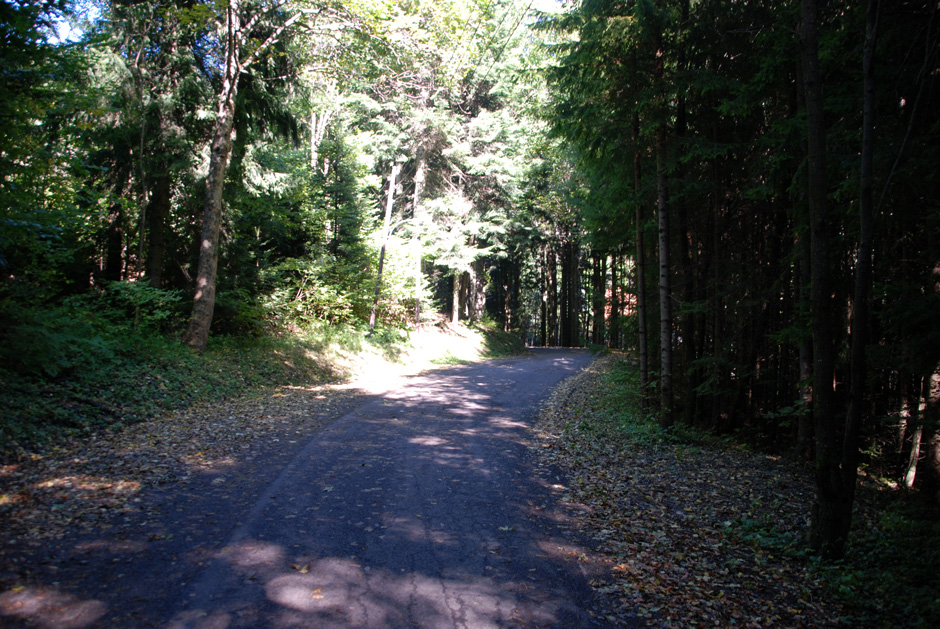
50 341
889 576
497 343
140 303
619 410
71 370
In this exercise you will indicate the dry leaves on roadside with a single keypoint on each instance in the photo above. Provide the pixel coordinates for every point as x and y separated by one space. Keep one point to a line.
84 482
678 523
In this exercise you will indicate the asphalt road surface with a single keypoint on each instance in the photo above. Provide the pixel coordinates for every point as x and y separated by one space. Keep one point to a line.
421 507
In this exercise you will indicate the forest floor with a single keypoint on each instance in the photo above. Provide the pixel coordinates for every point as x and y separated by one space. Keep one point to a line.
710 533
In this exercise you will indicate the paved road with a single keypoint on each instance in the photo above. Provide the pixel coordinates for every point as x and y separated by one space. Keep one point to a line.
423 507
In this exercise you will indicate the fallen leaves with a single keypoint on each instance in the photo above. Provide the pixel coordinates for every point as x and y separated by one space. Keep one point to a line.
85 482
689 531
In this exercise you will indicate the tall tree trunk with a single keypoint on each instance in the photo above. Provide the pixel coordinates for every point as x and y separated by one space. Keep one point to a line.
236 36
831 514
598 286
614 322
666 418
156 216
686 247
665 290
552 305
389 205
863 272
220 149
543 316
573 295
565 294
640 268
804 437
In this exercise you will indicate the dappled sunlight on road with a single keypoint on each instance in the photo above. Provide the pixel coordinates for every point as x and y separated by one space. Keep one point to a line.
48 607
346 592
416 508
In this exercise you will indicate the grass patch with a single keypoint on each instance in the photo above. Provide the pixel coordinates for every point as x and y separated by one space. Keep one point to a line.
142 375
497 343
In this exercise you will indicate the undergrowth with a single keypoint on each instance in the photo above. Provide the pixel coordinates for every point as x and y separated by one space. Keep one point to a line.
80 367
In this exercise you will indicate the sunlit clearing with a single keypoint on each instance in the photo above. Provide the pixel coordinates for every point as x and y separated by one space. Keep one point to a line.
433 345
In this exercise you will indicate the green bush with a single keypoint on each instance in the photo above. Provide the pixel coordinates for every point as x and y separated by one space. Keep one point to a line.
50 341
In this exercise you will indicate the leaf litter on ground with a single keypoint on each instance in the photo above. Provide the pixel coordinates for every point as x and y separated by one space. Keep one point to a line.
695 535
84 481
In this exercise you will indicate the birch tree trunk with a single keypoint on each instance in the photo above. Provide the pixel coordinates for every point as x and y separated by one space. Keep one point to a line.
421 173
389 204
919 406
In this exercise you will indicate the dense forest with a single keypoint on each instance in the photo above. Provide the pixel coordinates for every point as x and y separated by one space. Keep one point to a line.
742 194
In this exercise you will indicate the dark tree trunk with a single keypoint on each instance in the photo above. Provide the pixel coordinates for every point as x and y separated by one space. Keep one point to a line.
686 320
614 322
804 437
861 308
598 286
666 418
640 268
543 306
665 289
156 216
566 281
832 511
552 305
574 295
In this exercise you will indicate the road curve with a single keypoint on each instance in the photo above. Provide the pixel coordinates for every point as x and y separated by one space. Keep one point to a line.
421 508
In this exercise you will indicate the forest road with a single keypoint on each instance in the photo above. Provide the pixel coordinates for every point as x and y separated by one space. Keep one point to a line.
421 507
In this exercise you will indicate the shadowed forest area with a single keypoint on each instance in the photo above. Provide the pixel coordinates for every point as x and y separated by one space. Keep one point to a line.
202 199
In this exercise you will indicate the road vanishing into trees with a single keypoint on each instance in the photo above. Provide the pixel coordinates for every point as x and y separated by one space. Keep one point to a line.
421 507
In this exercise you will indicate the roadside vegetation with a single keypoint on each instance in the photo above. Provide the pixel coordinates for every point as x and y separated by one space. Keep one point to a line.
76 370
706 531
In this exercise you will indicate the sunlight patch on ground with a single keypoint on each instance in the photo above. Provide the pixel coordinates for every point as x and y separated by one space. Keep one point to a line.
343 592
432 346
87 483
49 607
